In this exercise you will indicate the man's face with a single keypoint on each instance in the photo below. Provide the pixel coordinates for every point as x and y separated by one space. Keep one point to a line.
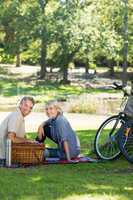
51 111
26 107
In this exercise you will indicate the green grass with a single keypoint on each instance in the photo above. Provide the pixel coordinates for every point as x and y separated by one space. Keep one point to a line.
13 85
89 181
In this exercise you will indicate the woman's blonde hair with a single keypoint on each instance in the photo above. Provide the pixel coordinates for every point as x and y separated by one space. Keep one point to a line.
54 103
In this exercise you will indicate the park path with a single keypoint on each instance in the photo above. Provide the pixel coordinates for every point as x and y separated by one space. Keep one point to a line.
78 121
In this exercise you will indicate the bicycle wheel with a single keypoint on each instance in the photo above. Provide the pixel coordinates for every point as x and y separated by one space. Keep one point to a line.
125 142
105 144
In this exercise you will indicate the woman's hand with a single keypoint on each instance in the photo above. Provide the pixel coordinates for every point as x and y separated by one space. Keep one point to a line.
40 132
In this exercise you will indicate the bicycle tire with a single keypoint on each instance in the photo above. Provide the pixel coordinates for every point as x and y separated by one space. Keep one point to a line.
109 139
125 142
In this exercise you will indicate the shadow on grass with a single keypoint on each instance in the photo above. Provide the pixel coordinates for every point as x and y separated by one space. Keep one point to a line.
78 181
11 85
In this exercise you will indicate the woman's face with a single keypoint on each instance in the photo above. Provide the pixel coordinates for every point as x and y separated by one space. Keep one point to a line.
51 111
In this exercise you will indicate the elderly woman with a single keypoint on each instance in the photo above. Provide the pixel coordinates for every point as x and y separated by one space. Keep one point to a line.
59 130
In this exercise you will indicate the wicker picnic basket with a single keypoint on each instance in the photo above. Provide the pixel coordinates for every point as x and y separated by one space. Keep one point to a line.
27 153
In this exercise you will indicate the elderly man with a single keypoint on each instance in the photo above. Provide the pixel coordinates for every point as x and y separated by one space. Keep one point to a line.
13 126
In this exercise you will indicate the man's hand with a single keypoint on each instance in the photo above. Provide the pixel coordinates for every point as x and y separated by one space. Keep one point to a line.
17 139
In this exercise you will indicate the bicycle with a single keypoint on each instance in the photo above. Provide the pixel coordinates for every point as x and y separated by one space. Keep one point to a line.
106 143
125 140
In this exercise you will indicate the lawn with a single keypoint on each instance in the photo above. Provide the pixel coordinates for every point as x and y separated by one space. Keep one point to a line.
11 86
89 181
14 86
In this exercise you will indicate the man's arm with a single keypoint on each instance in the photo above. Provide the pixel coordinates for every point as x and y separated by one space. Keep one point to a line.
16 139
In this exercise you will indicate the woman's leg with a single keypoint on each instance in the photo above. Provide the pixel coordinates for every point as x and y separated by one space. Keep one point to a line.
54 153
2 162
51 153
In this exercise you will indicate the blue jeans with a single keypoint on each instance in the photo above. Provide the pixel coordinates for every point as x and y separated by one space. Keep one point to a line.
54 153
2 162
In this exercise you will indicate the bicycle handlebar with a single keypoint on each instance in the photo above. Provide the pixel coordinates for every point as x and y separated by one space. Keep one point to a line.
117 86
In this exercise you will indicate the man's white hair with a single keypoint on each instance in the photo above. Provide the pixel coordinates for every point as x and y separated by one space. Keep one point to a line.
27 98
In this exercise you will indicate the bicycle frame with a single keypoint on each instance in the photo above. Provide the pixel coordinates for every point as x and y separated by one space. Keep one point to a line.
121 115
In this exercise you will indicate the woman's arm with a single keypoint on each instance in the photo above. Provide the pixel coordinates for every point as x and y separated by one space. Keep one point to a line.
41 131
41 128
66 149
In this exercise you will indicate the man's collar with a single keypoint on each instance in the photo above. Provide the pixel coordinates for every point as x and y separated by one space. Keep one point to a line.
19 111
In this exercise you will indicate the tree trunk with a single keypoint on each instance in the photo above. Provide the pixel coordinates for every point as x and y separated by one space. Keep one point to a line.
132 87
86 68
112 71
125 49
65 75
66 60
111 68
43 52
18 60
51 69
43 59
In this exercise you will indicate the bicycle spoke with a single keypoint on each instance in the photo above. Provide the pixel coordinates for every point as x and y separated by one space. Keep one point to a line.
126 144
106 139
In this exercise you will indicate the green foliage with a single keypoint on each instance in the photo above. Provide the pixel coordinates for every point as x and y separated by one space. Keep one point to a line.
31 55
59 32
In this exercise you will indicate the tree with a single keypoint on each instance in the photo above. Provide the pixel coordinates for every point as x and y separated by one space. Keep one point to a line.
69 34
17 27
56 32
125 46
43 37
